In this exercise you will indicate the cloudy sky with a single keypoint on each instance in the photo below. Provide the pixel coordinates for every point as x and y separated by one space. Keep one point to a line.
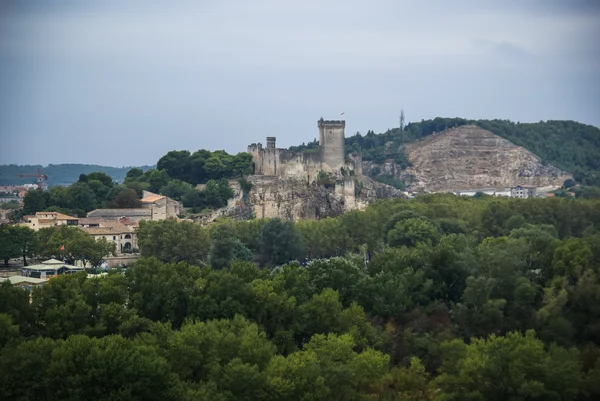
118 82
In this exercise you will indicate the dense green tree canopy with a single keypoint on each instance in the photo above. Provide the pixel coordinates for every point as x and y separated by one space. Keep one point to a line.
436 298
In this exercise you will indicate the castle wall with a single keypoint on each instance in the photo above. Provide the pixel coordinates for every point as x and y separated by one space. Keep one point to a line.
330 157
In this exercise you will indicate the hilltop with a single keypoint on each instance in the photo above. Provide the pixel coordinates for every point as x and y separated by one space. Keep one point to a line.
59 174
570 146
469 157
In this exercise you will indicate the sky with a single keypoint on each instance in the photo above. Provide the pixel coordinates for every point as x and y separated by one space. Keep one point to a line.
121 83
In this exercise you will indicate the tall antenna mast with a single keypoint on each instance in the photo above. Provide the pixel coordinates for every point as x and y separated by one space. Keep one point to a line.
402 126
402 119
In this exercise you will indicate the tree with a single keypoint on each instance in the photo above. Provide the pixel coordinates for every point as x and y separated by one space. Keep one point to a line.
89 366
104 178
35 201
24 370
242 164
569 183
176 164
127 199
135 173
279 242
84 247
83 197
173 241
328 369
8 246
411 231
175 189
518 366
25 241
157 179
223 246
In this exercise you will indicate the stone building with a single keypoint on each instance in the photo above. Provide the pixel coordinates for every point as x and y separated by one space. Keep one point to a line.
330 156
161 207
523 191
122 236
48 219
154 208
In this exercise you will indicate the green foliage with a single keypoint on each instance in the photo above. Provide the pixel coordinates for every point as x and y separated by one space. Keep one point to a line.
173 241
279 242
203 165
72 244
433 298
127 198
214 195
325 179
391 180
518 366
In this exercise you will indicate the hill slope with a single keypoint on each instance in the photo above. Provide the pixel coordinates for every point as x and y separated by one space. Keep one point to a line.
469 157
568 145
58 174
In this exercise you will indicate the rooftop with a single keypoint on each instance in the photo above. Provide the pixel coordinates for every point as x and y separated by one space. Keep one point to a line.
108 229
58 216
152 198
52 262
120 212
90 220
43 267
25 280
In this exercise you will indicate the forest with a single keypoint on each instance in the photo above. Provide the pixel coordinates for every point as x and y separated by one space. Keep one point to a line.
436 298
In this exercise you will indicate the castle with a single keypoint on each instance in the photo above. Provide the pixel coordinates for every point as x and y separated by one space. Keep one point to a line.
330 157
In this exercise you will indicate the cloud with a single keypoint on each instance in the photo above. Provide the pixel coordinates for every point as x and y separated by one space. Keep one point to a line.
134 79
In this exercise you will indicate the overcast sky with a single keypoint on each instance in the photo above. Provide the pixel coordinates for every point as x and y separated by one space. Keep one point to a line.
123 82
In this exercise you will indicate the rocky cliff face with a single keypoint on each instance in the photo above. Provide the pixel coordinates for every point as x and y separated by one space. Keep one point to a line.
295 199
470 157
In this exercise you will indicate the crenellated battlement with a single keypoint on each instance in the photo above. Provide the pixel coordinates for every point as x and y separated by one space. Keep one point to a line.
331 123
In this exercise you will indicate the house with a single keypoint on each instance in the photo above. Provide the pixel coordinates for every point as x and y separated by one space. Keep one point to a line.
49 268
160 206
122 236
49 219
523 191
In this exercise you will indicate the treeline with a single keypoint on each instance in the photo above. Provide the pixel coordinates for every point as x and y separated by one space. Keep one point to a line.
176 176
91 191
437 298
203 165
69 244
59 174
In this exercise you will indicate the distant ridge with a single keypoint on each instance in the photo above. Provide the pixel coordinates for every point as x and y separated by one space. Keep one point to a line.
60 174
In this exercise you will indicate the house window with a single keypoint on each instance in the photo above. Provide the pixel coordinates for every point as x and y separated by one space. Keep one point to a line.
114 237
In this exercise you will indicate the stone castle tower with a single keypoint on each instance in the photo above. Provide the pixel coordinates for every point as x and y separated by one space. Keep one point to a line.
271 161
331 143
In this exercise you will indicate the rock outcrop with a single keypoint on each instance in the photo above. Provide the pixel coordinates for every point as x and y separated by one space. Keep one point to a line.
294 199
470 157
